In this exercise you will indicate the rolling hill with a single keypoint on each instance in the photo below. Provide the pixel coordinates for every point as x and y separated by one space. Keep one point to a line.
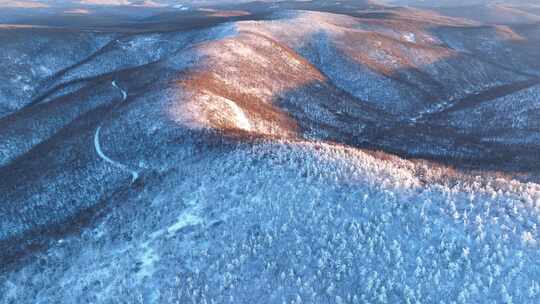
269 152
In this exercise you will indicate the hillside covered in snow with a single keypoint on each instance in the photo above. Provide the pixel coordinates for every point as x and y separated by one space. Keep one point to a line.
270 152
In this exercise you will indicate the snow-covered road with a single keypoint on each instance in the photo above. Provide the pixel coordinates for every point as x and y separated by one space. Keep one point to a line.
97 144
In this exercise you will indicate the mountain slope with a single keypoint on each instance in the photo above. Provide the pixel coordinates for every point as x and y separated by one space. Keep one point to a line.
251 161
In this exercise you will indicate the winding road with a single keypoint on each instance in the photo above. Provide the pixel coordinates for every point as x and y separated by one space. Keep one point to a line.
101 154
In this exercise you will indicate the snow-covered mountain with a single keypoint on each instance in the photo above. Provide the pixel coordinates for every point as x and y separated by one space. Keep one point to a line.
270 152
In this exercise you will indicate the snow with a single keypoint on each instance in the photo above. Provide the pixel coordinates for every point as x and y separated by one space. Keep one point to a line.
102 155
410 37
45 70
316 221
241 120
186 219
181 7
273 220
494 115
148 259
